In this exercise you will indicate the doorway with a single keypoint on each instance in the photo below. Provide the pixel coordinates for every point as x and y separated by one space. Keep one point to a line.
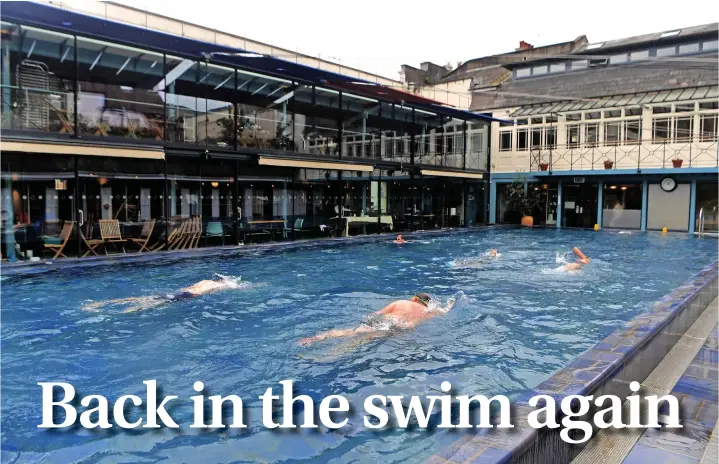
580 205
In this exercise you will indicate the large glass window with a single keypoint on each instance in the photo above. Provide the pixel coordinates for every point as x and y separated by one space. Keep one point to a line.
707 198
622 206
217 127
660 130
127 192
536 137
708 131
612 132
505 141
264 119
573 135
38 73
361 126
39 191
325 135
119 91
683 128
181 93
591 134
632 132
522 139
265 204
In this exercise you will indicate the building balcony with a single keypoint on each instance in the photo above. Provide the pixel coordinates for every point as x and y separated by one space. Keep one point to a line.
634 157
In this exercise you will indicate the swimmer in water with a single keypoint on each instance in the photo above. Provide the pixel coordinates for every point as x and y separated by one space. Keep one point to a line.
581 261
399 315
400 240
202 287
465 263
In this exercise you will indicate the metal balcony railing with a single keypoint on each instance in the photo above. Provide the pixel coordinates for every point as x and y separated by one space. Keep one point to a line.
644 155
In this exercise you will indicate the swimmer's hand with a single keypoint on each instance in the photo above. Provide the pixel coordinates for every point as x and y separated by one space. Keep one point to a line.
309 340
93 307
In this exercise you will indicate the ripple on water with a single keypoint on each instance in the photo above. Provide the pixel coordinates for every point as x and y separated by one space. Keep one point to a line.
516 321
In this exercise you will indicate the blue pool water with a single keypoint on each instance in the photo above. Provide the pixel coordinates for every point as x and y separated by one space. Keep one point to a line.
517 320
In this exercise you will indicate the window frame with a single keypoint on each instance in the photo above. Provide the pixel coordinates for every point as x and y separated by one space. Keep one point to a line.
502 135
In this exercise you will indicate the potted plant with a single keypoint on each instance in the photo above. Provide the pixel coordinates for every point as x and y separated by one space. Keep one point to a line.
677 162
543 166
522 201
608 164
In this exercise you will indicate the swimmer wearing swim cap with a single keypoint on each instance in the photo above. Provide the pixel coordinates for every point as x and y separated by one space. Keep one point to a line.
581 261
398 315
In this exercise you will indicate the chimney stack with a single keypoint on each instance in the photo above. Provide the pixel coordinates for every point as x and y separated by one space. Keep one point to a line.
525 46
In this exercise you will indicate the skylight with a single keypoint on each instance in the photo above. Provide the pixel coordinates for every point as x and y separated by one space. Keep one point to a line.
669 33
595 46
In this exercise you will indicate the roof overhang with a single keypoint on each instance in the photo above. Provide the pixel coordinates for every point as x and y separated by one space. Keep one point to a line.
52 148
462 175
294 163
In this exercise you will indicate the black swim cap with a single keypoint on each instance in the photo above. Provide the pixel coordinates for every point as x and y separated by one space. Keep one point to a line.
424 298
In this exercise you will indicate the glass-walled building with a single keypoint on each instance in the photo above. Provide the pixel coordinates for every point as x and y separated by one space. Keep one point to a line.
119 139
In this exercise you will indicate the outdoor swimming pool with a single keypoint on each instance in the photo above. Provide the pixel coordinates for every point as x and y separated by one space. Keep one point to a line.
517 320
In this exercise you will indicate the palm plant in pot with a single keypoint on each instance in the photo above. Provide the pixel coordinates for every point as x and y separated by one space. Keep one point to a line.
523 201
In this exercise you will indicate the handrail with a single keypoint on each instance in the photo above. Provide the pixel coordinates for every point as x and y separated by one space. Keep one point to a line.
701 221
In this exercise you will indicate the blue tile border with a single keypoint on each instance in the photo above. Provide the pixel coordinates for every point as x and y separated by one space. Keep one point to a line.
628 354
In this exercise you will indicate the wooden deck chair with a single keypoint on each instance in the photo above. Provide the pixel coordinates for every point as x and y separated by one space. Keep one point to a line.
166 243
145 234
60 241
180 237
110 233
197 232
91 244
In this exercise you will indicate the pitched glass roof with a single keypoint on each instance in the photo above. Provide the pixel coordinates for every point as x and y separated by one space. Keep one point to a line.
667 96
46 16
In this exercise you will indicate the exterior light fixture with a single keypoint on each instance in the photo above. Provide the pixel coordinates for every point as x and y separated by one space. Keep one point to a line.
613 187
215 184
624 187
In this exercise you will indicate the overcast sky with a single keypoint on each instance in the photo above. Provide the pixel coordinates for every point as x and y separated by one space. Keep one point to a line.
380 35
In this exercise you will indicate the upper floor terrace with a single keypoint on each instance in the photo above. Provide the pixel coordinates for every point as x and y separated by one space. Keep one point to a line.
628 132
70 76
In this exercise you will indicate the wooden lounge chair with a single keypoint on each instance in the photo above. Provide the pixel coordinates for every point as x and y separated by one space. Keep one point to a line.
166 243
145 235
197 232
193 232
91 244
110 233
180 236
57 244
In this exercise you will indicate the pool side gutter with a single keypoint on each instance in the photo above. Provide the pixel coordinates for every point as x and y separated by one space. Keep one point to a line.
49 265
629 354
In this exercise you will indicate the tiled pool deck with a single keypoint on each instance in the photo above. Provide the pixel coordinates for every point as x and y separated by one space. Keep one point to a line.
629 354
696 391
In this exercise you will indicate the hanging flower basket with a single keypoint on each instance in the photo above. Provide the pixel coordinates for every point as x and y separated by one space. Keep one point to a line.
677 163
543 166
608 164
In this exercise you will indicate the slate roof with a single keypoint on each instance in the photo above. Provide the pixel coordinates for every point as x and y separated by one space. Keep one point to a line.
611 80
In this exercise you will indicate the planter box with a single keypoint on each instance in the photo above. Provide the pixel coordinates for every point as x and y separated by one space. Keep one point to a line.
677 163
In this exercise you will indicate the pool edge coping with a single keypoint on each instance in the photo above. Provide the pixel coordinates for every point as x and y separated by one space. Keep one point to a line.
505 446
45 266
